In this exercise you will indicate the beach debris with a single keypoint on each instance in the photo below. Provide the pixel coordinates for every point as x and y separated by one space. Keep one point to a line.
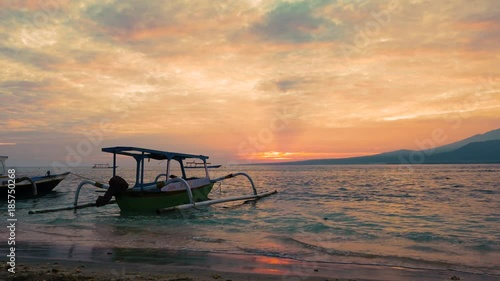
455 277
316 270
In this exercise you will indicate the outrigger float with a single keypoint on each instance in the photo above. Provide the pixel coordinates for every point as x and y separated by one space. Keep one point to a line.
166 193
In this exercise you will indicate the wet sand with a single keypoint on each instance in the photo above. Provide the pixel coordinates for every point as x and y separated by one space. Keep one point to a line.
42 261
71 270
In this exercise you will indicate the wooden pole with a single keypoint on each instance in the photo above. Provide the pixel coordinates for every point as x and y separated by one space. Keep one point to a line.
66 208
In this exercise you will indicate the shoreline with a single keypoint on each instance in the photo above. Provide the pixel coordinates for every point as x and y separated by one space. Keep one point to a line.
74 262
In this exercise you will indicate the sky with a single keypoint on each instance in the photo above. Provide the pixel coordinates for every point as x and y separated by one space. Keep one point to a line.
244 81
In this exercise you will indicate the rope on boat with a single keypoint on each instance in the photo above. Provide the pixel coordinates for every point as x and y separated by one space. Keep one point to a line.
218 188
82 177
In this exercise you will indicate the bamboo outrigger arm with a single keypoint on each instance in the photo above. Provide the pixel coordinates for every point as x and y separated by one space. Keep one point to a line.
94 183
159 176
33 184
234 175
182 181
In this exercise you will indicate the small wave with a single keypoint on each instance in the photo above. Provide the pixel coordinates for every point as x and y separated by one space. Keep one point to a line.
484 191
401 195
441 178
383 259
422 236
208 239
330 251
407 263
483 248
267 253
425 249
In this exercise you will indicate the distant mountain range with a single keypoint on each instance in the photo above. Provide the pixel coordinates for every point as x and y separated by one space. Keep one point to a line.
481 148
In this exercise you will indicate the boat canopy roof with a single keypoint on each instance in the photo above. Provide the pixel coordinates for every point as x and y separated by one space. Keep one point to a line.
144 153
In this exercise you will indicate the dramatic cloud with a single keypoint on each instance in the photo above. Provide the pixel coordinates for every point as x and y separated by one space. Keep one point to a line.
296 22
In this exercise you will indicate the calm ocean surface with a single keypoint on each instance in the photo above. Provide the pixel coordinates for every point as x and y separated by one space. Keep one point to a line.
428 216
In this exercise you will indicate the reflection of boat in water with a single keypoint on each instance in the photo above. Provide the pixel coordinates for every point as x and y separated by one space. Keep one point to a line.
167 191
26 187
103 166
200 165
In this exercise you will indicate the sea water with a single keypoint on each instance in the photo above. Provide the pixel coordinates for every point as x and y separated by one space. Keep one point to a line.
421 216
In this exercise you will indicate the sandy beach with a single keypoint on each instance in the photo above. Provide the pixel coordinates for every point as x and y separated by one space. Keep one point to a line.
51 262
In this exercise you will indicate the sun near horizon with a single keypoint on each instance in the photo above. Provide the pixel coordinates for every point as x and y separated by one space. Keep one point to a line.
278 156
244 81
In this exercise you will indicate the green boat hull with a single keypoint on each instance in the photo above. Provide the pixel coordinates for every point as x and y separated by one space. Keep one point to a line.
148 202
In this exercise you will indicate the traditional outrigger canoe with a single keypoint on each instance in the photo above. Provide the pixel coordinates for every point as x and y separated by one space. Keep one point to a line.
200 165
28 187
102 166
166 192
